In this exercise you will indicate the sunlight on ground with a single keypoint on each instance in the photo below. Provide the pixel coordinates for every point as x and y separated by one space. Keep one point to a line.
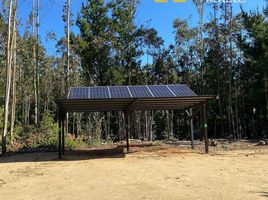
158 172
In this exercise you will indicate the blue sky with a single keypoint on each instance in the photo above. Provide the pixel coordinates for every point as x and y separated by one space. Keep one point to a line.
161 16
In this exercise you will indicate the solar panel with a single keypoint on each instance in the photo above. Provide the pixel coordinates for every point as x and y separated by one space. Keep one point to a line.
160 91
181 90
78 93
119 92
106 92
99 92
139 91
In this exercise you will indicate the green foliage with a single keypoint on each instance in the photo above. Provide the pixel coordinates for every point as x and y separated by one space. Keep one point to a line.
255 72
72 144
93 46
3 29
43 137
226 56
48 131
110 43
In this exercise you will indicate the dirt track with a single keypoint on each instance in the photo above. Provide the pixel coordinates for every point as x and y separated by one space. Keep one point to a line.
151 173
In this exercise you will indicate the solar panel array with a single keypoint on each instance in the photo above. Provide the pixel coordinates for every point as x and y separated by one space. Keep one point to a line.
126 92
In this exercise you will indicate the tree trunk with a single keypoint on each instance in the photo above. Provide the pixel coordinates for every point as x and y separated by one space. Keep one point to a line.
13 106
8 78
68 57
34 61
68 44
230 107
37 63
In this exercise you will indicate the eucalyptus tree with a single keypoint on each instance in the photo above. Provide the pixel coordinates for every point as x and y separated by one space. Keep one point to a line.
12 6
34 17
214 64
200 5
67 19
186 52
14 77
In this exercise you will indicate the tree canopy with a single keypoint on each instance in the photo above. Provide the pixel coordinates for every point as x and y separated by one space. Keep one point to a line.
225 55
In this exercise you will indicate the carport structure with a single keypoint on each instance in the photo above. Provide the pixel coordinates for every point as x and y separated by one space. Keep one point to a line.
132 98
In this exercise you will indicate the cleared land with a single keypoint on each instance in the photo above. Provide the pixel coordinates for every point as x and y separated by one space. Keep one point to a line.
230 171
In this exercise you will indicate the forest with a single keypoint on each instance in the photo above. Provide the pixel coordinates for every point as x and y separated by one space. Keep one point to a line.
225 54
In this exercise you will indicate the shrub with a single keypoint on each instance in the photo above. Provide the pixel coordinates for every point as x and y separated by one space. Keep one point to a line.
43 137
47 133
72 144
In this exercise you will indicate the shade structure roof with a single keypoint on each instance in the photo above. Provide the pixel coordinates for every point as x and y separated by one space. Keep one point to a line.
131 98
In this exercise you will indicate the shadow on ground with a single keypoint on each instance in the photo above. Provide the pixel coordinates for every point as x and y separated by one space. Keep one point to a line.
264 194
71 155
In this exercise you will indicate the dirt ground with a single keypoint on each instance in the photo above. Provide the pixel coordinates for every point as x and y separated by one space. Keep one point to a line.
229 171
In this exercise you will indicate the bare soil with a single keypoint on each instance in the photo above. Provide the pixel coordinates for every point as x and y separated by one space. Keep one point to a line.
230 171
